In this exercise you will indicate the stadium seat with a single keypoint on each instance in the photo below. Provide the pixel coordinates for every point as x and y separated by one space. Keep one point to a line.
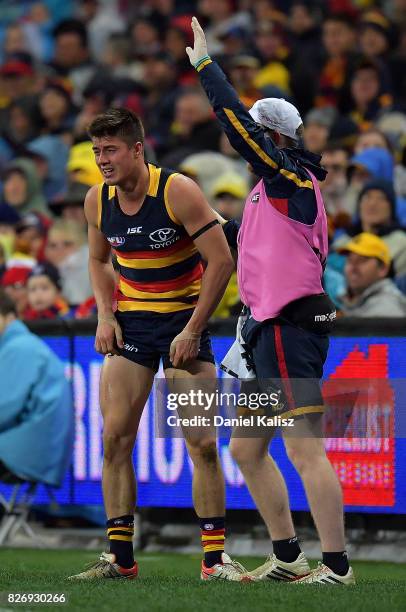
16 507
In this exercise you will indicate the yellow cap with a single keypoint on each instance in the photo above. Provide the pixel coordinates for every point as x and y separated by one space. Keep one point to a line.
81 162
368 245
232 183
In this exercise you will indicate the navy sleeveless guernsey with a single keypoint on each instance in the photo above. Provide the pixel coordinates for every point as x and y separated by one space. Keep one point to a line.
160 267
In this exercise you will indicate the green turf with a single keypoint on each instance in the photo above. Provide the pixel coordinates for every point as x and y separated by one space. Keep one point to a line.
170 583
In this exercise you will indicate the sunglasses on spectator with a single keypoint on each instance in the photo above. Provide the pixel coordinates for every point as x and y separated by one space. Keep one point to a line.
64 243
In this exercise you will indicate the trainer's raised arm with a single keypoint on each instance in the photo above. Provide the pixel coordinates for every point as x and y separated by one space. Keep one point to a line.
245 134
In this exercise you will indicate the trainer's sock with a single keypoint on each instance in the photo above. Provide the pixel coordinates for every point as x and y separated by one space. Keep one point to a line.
213 536
286 550
337 561
120 532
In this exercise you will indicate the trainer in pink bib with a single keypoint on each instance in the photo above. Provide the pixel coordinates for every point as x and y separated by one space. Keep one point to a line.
280 259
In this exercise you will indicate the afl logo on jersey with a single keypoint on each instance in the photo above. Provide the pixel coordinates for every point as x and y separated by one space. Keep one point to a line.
163 234
116 241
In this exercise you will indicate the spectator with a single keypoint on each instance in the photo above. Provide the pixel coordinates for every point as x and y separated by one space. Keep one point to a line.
117 57
243 72
376 35
15 40
145 40
205 168
178 37
228 195
269 43
70 207
14 284
372 163
67 250
370 293
22 188
371 139
71 57
36 412
31 234
193 129
369 98
23 122
377 215
235 40
159 100
339 40
318 124
44 294
18 76
333 188
50 155
221 15
102 19
306 52
57 110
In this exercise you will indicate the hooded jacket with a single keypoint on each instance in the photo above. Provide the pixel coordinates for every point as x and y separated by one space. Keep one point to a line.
380 164
392 232
35 200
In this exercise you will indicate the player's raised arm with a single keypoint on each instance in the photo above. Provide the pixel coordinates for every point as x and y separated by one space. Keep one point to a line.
245 135
193 211
102 279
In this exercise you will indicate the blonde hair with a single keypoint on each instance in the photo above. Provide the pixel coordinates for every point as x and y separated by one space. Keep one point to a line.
71 229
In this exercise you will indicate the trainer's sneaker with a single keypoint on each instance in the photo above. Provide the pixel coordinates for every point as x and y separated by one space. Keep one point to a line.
274 569
106 567
324 575
226 570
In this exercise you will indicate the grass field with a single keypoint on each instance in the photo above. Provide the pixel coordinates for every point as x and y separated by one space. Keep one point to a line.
170 583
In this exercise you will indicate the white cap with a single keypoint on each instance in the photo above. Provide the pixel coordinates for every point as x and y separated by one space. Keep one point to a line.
277 114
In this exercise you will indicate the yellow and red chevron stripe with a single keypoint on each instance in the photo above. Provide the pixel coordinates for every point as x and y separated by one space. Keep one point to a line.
155 260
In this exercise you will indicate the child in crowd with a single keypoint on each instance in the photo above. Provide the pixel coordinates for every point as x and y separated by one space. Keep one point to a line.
44 294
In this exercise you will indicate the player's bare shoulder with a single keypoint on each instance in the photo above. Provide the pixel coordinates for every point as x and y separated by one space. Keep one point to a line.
185 196
91 206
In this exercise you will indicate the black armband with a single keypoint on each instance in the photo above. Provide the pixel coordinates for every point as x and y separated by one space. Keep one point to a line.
230 230
204 229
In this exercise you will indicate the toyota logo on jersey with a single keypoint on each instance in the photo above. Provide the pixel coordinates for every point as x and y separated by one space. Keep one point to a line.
163 234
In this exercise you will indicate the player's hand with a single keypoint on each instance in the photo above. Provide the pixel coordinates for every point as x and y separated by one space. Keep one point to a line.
108 335
184 348
199 45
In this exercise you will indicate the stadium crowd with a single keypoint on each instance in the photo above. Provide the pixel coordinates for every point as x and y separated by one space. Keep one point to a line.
342 63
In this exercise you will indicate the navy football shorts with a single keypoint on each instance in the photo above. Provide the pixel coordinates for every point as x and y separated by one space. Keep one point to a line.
290 360
147 336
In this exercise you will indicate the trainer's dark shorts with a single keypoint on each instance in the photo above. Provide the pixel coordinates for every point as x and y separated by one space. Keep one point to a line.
148 335
290 360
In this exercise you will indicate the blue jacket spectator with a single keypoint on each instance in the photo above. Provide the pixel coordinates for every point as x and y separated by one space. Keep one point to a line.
378 163
36 412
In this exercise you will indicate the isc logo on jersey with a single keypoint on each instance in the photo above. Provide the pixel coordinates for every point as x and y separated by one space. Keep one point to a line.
163 237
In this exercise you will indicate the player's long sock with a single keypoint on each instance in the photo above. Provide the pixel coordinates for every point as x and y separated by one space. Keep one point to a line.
120 531
337 561
213 536
286 550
